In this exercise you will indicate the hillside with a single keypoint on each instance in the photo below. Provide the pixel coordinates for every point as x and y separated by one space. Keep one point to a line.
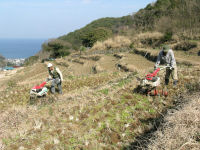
164 16
98 109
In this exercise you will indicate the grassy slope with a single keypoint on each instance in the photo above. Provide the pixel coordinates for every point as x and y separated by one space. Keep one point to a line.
185 120
97 111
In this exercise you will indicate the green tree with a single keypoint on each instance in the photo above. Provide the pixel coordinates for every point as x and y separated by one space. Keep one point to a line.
95 35
58 48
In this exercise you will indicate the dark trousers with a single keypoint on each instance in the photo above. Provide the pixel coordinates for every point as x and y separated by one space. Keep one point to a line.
54 83
172 73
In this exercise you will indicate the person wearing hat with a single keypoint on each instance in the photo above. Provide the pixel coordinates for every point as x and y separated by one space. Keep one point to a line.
57 78
166 57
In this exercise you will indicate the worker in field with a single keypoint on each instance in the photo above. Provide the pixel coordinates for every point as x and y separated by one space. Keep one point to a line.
57 78
166 57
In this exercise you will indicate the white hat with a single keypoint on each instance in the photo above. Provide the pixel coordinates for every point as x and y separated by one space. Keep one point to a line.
50 65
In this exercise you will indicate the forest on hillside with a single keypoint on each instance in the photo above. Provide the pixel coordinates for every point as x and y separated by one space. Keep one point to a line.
171 17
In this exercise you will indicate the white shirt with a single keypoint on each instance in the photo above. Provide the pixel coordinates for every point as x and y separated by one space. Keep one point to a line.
169 59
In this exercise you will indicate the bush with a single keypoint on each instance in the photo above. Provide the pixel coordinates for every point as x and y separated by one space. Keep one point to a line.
199 53
58 48
185 46
167 36
131 46
60 53
99 34
82 49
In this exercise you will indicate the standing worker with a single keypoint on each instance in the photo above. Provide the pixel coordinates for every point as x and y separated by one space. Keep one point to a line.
166 57
57 78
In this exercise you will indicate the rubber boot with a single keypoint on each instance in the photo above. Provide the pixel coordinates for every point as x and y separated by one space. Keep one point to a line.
175 82
53 90
166 81
60 88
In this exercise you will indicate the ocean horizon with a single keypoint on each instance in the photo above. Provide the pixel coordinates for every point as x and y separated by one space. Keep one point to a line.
20 48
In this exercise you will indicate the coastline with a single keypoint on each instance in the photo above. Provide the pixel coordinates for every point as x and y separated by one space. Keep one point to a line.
11 64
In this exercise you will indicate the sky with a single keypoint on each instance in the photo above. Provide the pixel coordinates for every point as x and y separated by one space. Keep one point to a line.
46 19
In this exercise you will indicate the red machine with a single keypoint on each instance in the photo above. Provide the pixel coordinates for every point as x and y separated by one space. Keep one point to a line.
152 76
39 90
150 85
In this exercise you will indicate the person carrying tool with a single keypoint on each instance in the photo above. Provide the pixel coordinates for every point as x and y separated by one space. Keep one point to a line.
166 57
56 76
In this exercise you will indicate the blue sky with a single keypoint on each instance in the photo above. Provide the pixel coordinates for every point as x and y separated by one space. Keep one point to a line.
53 18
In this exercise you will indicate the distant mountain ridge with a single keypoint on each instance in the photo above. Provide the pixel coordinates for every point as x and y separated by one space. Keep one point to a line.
180 17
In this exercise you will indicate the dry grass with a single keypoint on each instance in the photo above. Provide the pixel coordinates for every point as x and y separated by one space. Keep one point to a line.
96 112
89 118
112 43
96 118
153 35
146 39
181 130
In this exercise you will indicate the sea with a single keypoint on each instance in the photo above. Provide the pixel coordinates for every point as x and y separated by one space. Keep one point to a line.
20 48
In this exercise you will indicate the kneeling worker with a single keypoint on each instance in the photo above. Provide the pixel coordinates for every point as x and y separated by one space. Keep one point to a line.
166 57
56 76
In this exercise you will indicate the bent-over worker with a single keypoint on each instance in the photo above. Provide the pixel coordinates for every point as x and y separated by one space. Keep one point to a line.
57 78
166 57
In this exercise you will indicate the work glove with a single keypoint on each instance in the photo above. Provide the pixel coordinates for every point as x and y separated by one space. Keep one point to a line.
48 79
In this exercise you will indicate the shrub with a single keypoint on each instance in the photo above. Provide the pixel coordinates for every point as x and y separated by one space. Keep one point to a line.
167 36
185 46
131 46
60 53
95 35
82 49
199 53
58 48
